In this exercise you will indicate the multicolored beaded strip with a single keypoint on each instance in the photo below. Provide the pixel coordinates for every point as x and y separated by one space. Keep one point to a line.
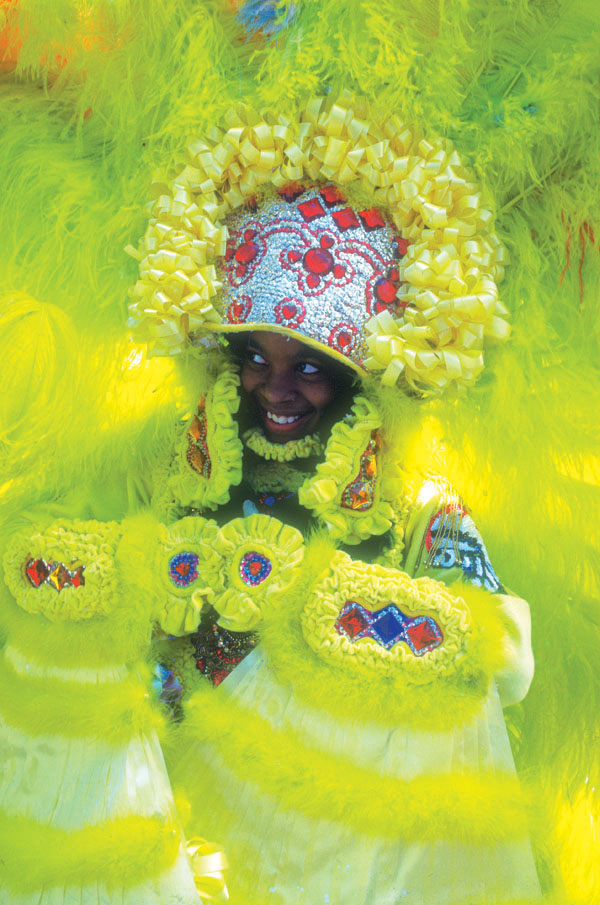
197 454
255 568
389 626
359 495
183 569
56 574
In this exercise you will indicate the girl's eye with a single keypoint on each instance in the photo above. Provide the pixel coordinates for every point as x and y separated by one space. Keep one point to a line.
254 357
307 369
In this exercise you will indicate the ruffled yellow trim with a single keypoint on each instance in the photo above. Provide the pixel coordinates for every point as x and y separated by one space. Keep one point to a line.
255 440
74 543
239 605
182 486
322 492
448 277
374 587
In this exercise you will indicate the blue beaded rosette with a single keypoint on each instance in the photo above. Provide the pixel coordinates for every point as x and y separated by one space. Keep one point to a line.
190 570
263 557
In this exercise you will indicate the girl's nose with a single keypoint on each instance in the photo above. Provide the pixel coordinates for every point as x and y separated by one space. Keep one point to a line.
279 386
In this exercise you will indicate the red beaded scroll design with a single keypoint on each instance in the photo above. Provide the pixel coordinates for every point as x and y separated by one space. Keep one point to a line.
359 495
197 454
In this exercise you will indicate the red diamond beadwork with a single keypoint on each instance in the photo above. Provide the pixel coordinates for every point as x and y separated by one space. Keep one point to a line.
345 219
311 209
400 246
77 577
331 195
36 572
422 635
353 622
385 291
371 219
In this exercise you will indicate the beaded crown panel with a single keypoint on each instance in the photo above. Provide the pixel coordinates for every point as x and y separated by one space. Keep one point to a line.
305 262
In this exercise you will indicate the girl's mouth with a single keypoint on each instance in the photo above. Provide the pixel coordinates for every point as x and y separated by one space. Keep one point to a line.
282 424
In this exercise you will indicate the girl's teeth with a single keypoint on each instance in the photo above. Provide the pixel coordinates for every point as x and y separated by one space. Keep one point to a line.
282 419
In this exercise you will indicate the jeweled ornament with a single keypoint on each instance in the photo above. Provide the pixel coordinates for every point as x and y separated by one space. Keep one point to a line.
389 626
37 572
183 569
353 620
359 495
255 568
55 574
423 634
198 455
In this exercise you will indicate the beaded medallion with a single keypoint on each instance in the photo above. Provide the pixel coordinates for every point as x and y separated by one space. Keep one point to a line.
183 569
255 568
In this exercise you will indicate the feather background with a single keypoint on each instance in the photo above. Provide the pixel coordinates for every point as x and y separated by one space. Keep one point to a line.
96 95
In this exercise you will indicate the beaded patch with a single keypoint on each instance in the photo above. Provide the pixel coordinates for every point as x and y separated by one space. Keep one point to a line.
255 568
389 626
218 651
197 454
453 541
56 574
359 495
183 569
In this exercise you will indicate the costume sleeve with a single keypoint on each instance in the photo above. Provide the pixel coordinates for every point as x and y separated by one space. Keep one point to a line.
443 542
85 801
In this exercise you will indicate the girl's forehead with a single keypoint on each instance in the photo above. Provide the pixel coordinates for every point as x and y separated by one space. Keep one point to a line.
282 346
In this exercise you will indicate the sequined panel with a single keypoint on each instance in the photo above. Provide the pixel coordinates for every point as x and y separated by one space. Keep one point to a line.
219 651
389 626
307 261
183 569
198 455
55 574
255 568
360 493
453 541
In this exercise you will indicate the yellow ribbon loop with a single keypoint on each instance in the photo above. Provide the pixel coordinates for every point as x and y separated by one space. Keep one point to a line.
209 864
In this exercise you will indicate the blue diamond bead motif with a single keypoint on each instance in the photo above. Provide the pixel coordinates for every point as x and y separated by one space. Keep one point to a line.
255 568
183 569
388 627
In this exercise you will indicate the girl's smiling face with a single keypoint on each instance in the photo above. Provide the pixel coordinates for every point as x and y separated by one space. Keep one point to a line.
292 386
